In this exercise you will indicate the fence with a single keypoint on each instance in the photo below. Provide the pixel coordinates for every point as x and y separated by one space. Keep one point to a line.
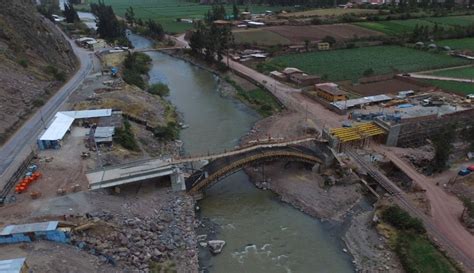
15 178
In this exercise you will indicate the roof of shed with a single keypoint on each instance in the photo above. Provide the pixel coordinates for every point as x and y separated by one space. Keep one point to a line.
33 227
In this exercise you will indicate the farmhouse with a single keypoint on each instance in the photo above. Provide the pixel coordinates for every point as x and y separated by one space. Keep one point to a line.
291 70
324 46
330 92
303 79
277 75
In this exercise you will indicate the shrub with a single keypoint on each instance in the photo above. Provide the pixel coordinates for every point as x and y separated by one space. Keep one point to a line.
23 63
58 75
159 89
134 78
125 137
400 219
368 72
166 133
136 65
38 102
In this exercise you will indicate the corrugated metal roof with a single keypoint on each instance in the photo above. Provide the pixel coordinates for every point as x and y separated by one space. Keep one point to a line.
104 132
88 113
58 128
12 266
42 226
63 121
354 102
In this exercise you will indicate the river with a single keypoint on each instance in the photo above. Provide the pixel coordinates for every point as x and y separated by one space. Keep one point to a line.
262 234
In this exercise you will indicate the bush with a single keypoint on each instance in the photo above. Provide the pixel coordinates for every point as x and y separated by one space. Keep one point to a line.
23 63
159 89
136 65
400 219
166 133
368 72
125 137
58 75
134 78
38 102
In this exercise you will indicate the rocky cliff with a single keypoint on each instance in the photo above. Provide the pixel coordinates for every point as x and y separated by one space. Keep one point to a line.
34 59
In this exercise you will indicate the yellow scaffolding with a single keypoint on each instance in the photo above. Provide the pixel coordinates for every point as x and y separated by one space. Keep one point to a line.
358 132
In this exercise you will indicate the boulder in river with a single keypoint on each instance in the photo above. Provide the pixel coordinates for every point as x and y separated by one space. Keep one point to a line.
216 246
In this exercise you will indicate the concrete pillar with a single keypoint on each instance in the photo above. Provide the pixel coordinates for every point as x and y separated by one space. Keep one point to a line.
178 181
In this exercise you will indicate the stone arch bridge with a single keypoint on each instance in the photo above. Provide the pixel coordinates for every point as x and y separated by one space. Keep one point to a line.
217 167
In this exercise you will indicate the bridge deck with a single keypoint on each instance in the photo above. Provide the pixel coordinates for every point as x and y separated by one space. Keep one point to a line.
129 173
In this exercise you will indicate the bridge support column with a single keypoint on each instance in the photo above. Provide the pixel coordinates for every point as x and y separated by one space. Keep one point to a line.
177 180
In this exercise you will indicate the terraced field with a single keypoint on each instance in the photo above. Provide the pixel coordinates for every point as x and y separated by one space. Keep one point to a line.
167 11
395 27
352 63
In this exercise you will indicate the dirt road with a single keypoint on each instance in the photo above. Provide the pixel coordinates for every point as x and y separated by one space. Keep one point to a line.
446 209
439 78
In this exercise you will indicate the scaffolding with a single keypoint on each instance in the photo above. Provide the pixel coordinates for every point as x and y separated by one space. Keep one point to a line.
359 134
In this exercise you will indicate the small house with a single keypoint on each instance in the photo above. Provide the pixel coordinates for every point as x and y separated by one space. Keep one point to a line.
103 135
290 71
323 46
330 92
278 76
303 79
36 231
14 266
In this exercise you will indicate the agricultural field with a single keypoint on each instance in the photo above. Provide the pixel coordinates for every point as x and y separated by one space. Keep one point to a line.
461 88
167 11
395 27
328 12
458 44
463 73
298 34
260 37
350 64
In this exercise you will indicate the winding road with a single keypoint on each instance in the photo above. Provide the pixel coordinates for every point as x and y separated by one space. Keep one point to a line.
16 149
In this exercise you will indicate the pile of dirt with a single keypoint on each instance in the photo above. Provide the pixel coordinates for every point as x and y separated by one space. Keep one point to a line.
31 47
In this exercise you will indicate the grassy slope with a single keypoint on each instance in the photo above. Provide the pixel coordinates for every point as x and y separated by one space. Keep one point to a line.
418 254
167 11
351 63
456 87
260 36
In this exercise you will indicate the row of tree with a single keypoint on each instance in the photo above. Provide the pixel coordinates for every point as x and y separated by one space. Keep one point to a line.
108 26
211 41
150 28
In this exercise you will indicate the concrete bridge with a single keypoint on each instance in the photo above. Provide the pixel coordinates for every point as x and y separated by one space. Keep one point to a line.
215 167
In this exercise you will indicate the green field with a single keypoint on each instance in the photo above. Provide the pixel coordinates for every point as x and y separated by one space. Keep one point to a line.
463 73
329 12
351 63
167 11
455 87
395 27
462 44
260 37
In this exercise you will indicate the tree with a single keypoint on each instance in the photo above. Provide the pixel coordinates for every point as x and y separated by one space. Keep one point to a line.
443 146
155 30
235 11
329 39
108 25
368 72
306 45
70 13
130 16
159 89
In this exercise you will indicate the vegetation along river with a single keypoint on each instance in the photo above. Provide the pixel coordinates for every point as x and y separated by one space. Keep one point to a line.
262 233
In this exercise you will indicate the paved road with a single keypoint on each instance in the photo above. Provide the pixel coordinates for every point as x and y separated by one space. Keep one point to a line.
21 143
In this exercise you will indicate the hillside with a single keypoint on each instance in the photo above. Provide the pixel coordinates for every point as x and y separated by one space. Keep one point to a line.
34 58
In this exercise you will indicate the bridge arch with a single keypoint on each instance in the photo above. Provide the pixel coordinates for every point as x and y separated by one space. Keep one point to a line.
223 167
